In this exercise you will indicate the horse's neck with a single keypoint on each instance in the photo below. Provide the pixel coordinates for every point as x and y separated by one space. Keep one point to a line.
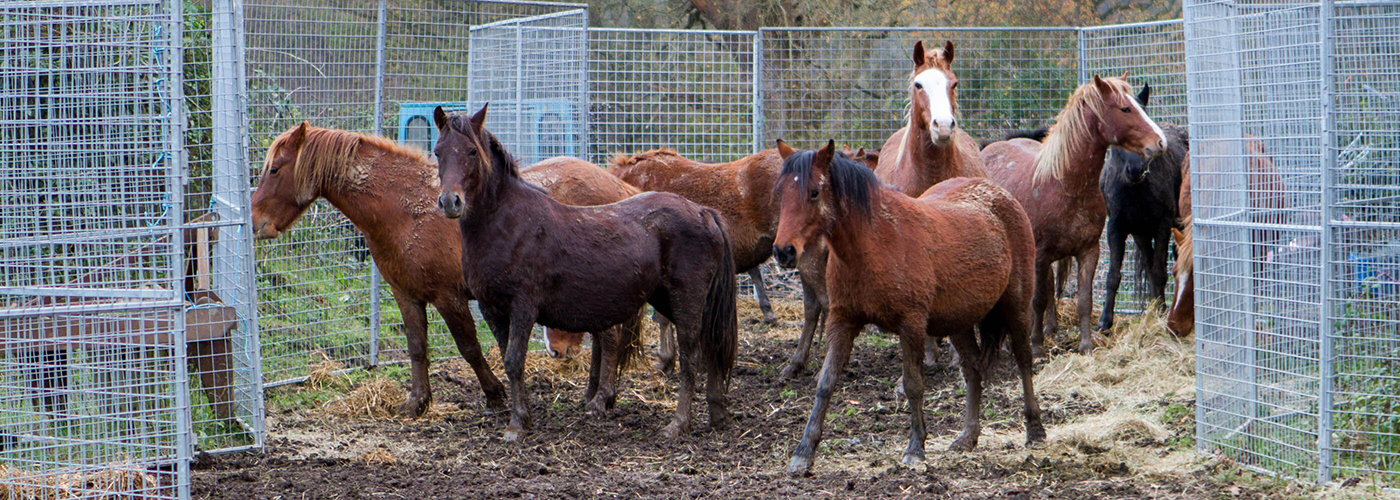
1084 164
856 239
932 162
510 197
397 180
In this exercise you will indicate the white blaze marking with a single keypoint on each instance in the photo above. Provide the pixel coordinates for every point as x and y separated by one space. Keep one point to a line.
935 86
1155 128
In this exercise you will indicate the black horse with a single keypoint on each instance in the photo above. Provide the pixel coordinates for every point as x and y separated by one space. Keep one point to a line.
1142 203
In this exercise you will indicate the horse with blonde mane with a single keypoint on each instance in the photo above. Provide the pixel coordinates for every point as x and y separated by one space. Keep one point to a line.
1058 184
390 193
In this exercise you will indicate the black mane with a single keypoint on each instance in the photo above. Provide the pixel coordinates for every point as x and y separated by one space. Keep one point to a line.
852 184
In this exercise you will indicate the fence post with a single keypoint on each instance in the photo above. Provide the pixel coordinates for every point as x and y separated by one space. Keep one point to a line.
1328 166
184 430
583 92
1083 60
378 130
757 91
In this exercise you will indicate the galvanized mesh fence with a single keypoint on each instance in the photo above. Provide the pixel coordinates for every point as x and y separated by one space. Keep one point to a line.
1294 140
95 400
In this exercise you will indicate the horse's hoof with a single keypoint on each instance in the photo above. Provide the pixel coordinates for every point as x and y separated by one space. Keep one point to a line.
512 435
790 372
663 367
414 407
769 319
1105 328
1035 434
720 420
1037 351
673 431
799 466
963 443
911 459
496 404
597 407
1086 348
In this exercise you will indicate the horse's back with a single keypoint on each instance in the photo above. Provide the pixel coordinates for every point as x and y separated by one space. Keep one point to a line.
572 181
1011 163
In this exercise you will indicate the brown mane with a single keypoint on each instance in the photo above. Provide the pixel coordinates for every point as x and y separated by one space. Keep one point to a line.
623 160
1071 124
328 157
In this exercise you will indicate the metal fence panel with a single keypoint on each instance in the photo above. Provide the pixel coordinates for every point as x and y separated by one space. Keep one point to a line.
1363 151
91 204
691 91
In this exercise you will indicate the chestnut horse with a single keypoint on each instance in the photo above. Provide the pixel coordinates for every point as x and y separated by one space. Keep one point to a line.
389 192
742 192
960 256
1058 184
930 148
530 259
574 182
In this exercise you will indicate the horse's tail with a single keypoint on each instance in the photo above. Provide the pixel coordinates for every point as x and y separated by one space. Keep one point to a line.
629 341
719 324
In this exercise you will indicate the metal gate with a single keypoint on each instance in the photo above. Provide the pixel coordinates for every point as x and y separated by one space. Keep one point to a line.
1294 141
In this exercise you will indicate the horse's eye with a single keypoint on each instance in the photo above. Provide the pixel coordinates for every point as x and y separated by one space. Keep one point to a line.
471 151
918 85
1126 109
273 170
955 85
814 193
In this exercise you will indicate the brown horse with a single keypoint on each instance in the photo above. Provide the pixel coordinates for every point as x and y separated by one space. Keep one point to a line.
1058 184
930 148
742 192
530 259
574 182
958 257
389 192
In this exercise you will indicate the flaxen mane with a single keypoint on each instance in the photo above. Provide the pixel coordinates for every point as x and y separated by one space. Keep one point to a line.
1184 255
328 157
1071 124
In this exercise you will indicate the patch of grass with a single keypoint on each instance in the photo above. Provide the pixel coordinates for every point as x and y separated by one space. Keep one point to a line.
788 393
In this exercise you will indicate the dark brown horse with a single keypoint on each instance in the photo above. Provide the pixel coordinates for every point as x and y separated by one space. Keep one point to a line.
1058 184
389 192
960 256
742 192
930 148
530 259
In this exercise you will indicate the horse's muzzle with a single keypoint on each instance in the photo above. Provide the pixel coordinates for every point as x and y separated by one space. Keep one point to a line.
451 204
785 255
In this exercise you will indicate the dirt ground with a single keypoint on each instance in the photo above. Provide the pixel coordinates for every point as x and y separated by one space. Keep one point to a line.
1120 427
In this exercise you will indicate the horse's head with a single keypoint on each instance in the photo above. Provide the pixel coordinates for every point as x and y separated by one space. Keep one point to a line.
463 155
870 158
1122 119
1181 318
1135 168
933 98
280 198
805 200
562 344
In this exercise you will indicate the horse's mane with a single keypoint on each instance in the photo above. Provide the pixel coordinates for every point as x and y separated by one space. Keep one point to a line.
621 160
1070 125
327 156
852 184
1184 254
507 168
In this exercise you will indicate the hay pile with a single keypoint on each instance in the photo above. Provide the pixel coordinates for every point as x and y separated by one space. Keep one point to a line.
119 480
379 399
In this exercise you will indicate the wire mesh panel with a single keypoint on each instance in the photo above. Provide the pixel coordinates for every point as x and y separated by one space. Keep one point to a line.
226 399
852 84
95 401
1363 151
532 73
1255 84
691 91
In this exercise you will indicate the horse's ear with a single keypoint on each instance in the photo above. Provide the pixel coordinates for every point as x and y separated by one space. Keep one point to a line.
824 155
1103 86
1146 94
860 152
784 150
479 119
1125 76
299 134
440 118
948 51
918 52
1177 235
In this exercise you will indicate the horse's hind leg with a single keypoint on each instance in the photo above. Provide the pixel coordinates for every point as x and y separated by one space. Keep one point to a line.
602 371
463 327
415 326
760 292
686 330
1157 273
1061 277
971 357
1116 246
1042 298
912 338
840 332
1088 262
666 352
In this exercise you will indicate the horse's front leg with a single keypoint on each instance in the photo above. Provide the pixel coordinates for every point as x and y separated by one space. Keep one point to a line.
1088 261
602 376
971 357
913 337
463 327
812 311
840 333
1157 264
415 326
760 292
522 320
1041 300
1116 246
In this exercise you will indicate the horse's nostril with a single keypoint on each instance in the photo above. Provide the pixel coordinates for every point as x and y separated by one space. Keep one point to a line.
952 124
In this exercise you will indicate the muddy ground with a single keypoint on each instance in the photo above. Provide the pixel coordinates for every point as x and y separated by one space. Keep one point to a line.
314 452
